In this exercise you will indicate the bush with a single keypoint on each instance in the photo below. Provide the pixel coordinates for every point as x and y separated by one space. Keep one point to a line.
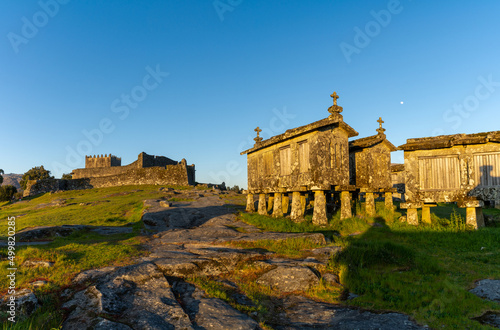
36 173
67 176
6 192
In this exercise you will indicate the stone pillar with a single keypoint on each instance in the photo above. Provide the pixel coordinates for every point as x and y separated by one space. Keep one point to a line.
262 204
412 216
303 202
278 206
426 214
497 204
370 204
319 215
388 201
297 213
270 203
285 203
345 205
250 203
475 217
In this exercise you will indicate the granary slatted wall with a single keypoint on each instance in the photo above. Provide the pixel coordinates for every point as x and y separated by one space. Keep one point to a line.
439 172
487 169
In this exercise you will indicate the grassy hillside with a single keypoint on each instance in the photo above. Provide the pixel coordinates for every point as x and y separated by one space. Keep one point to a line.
117 206
423 271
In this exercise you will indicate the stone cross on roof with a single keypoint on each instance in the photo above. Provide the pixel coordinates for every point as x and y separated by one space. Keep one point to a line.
258 139
334 96
334 109
380 130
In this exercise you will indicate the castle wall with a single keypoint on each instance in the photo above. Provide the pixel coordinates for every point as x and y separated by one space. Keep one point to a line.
102 171
102 161
145 160
36 187
180 174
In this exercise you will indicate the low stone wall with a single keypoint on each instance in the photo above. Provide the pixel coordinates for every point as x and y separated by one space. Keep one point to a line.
35 187
102 171
169 175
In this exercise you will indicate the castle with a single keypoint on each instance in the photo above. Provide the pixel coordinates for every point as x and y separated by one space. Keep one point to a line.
106 171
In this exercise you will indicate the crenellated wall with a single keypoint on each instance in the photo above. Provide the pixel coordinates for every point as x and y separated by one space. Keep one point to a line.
102 161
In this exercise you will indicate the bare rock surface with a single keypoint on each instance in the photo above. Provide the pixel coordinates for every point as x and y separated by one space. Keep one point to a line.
302 313
210 313
289 278
191 238
26 303
49 232
488 289
139 296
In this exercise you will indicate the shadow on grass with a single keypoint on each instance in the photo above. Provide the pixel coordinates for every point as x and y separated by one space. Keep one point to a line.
424 271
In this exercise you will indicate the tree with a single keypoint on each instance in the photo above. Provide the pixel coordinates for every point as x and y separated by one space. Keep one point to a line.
36 173
1 177
67 176
6 192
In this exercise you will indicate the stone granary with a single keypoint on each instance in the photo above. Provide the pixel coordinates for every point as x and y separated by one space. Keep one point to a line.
461 168
310 158
370 167
398 180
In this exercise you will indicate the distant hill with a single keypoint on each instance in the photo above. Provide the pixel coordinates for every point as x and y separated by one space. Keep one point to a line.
12 179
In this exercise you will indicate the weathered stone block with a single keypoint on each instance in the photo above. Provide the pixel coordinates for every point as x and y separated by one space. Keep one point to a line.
285 202
345 205
319 215
388 201
278 206
412 216
250 203
474 217
426 214
270 204
370 204
262 204
297 213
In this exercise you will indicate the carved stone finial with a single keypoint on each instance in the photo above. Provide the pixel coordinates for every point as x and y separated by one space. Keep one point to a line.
258 139
334 109
334 96
380 130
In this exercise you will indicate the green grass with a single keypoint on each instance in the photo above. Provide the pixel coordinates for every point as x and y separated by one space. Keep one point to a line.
290 247
116 206
83 250
424 271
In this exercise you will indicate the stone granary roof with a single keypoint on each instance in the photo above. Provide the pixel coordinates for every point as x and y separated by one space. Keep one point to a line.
291 133
397 167
448 141
373 140
335 118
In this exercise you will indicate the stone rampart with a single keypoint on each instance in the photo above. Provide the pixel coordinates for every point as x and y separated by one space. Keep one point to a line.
181 174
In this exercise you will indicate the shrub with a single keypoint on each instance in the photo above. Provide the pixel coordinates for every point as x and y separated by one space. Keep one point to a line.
6 192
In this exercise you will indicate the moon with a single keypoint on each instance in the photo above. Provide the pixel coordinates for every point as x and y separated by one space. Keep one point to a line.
401 102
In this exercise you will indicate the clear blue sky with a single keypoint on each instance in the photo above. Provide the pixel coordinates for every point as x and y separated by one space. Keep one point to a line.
67 67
